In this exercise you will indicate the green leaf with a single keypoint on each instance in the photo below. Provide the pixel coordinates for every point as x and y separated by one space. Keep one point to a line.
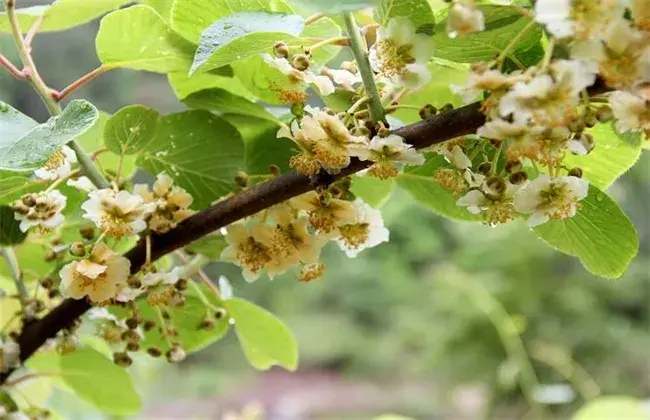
225 102
600 235
97 380
191 17
417 11
502 25
612 408
437 92
130 129
610 159
243 35
93 140
10 233
163 7
260 78
266 341
210 246
13 123
138 38
31 258
33 149
184 84
7 403
419 182
199 150
337 6
263 147
15 186
63 14
372 190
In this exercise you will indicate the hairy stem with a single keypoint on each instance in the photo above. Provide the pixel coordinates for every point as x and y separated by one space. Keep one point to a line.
48 95
360 51
80 82
13 70
16 272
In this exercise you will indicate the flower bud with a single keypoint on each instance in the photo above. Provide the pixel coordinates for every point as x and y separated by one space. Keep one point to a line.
383 132
133 346
485 168
577 126
50 256
518 178
275 170
176 354
298 110
496 186
281 49
122 359
513 166
604 114
446 107
29 200
576 172
132 323
590 118
181 284
77 249
148 325
134 282
428 111
300 62
154 352
87 232
220 313
206 324
47 283
241 179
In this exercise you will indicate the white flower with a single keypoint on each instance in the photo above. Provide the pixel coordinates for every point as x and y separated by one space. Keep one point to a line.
464 18
385 151
102 314
148 281
493 197
117 213
171 203
58 165
40 209
325 215
9 355
246 250
225 288
456 157
632 112
323 83
366 232
548 99
401 54
488 81
99 277
83 183
345 77
581 144
548 198
581 19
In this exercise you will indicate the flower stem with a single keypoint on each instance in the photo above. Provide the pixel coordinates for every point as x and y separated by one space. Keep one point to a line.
16 272
47 95
360 51
313 18
61 180
339 40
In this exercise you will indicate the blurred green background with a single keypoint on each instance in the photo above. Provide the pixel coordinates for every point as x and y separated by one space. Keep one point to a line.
426 326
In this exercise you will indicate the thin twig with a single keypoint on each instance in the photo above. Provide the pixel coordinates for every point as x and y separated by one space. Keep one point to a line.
313 18
29 38
4 62
59 96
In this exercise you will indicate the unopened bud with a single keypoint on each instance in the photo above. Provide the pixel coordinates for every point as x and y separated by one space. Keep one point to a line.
496 186
590 118
281 49
87 232
242 179
29 200
383 132
50 256
484 168
176 354
446 107
148 325
513 166
577 126
77 249
122 359
275 170
134 282
428 111
154 352
133 346
132 323
604 114
518 177
576 172
130 336
220 313
206 324
181 284
47 283
300 62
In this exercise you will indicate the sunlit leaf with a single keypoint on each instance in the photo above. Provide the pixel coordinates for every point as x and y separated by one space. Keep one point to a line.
130 129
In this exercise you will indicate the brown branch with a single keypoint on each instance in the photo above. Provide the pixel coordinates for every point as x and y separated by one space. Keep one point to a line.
455 123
